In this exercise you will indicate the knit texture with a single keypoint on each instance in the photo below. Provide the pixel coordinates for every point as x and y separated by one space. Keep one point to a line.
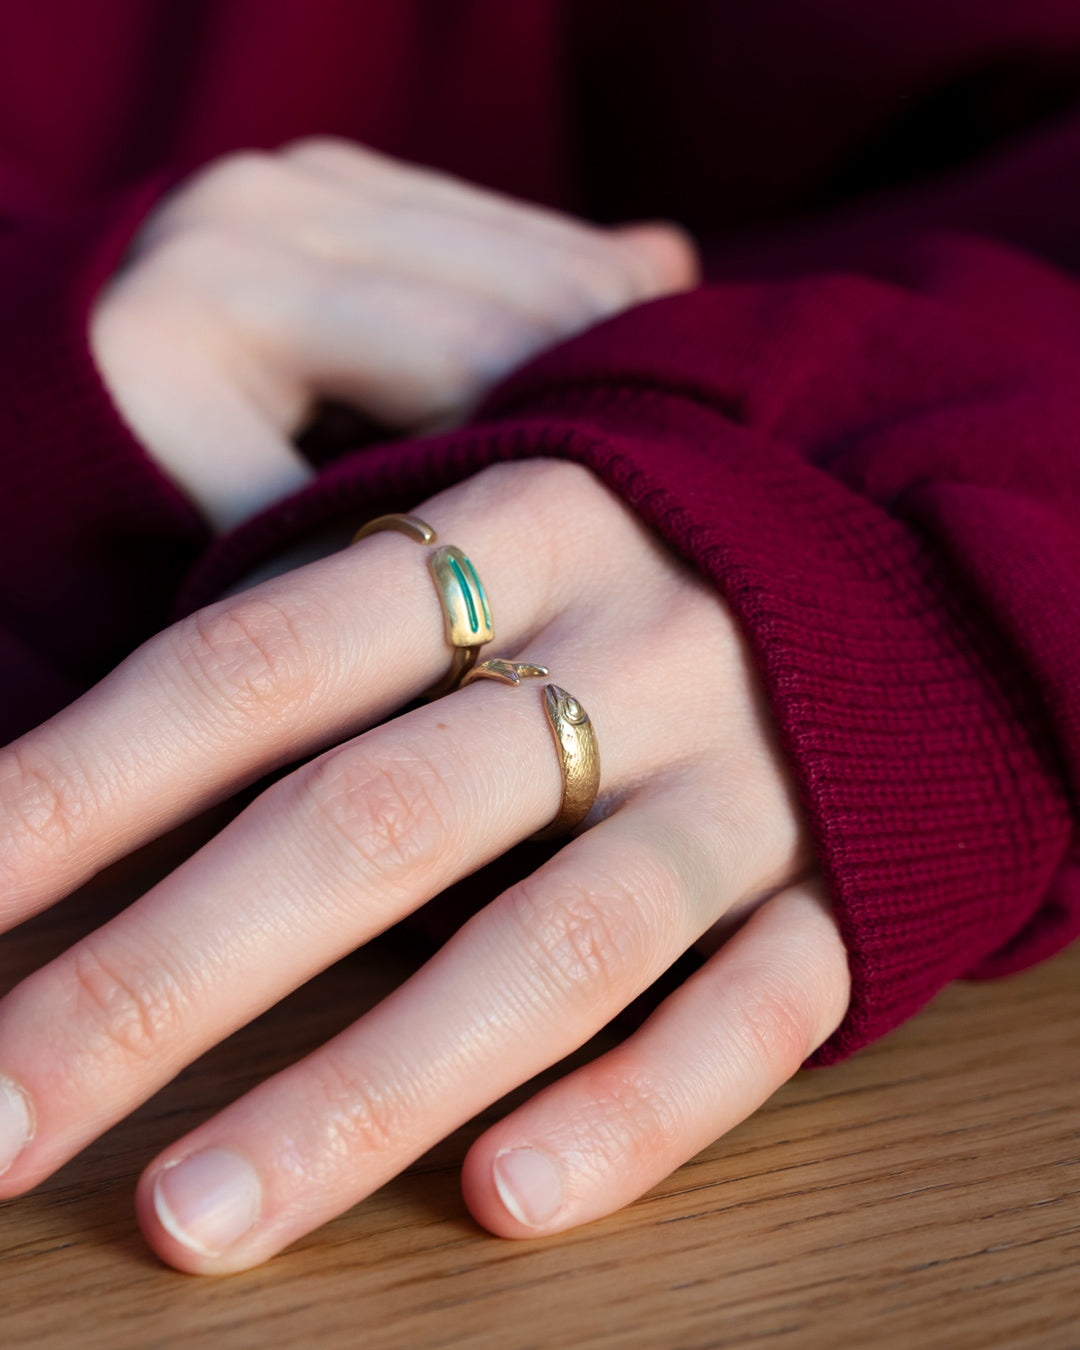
94 538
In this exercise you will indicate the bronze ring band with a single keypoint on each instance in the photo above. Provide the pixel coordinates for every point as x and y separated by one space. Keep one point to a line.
465 605
575 742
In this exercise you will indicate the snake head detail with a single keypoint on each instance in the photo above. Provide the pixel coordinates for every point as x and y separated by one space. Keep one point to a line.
563 707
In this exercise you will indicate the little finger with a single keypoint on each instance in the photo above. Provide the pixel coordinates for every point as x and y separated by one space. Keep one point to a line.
706 1059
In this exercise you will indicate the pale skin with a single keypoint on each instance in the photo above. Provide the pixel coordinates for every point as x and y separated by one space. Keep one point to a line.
697 833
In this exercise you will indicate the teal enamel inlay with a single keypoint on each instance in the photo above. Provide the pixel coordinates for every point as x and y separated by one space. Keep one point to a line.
474 622
479 592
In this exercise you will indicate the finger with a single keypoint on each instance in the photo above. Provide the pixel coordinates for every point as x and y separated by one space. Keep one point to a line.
333 854
560 288
372 174
269 676
243 186
407 311
407 314
405 348
321 862
348 203
270 327
707 1058
670 247
522 984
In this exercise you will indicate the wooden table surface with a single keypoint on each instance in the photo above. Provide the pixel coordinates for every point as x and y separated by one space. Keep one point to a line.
923 1196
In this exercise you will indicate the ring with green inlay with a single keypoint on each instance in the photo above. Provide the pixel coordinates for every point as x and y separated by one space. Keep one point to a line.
465 605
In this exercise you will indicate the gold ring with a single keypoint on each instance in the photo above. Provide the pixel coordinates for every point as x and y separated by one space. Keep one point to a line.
575 742
465 605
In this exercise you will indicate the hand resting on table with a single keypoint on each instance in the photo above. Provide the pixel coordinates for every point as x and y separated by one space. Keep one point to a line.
696 829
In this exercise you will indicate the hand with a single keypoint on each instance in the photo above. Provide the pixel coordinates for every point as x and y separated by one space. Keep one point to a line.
696 829
269 281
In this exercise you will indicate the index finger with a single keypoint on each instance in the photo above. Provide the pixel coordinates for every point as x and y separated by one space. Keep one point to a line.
259 680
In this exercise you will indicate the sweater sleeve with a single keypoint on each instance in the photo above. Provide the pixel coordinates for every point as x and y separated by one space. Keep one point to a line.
880 475
93 538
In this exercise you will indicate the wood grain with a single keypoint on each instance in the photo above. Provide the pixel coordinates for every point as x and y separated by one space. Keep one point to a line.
924 1195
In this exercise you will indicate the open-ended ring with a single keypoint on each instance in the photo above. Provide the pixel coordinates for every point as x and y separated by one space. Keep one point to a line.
465 605
575 742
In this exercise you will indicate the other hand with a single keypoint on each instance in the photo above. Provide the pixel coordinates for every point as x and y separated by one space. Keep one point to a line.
327 270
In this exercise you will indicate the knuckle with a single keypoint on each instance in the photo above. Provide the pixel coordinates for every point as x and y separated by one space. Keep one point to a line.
121 1007
587 942
777 1022
632 1115
199 252
558 481
180 272
546 484
242 180
360 1115
325 150
392 815
49 804
247 656
241 279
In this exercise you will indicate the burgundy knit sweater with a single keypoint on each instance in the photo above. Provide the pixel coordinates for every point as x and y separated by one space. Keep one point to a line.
865 429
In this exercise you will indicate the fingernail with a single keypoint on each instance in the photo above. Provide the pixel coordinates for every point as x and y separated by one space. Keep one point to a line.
209 1200
16 1123
529 1184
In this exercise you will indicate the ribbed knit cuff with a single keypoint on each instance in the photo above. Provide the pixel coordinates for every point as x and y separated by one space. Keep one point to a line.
106 536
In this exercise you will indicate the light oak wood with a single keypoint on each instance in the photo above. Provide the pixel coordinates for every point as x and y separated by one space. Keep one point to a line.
923 1196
